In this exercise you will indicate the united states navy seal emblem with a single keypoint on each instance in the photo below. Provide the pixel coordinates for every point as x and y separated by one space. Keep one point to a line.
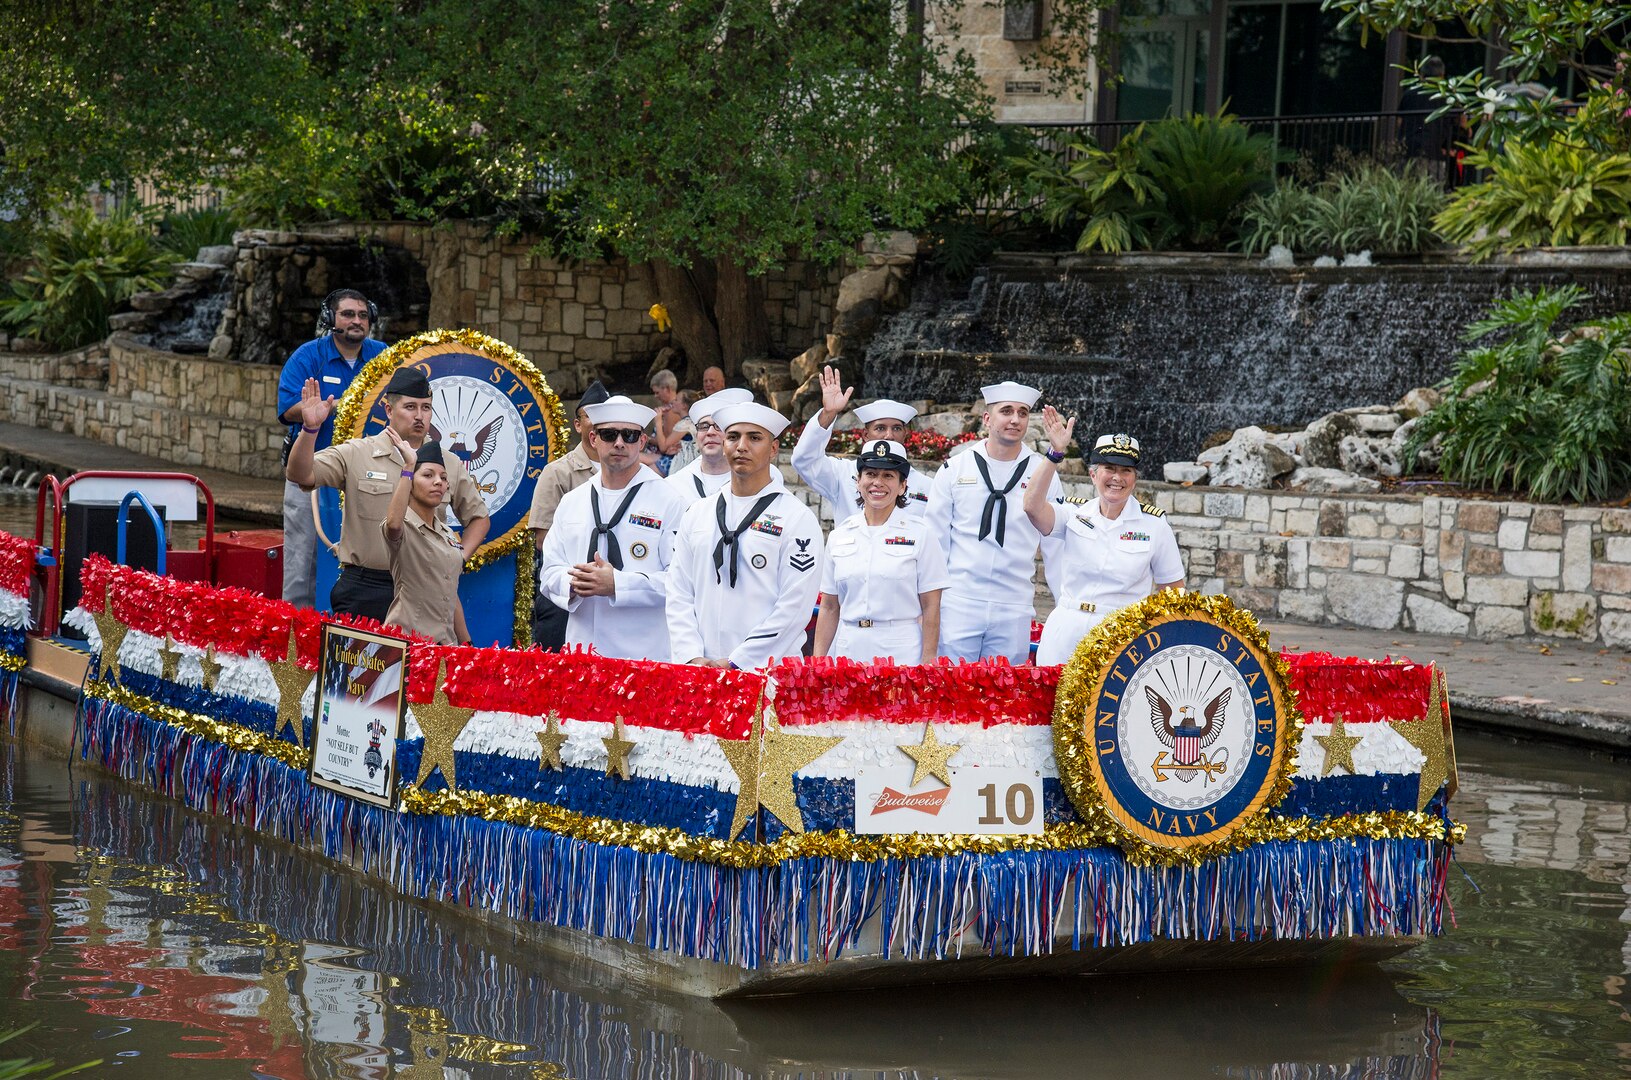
1173 720
493 410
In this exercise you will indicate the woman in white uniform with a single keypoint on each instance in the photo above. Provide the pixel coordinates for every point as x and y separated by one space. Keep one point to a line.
1115 552
880 588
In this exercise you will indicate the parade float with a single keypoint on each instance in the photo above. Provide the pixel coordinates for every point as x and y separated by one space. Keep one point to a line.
1180 795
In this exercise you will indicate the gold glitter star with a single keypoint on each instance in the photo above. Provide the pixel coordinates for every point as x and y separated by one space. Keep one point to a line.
931 755
618 745
208 668
550 741
442 724
1427 735
764 764
170 658
1339 747
112 633
292 680
1438 704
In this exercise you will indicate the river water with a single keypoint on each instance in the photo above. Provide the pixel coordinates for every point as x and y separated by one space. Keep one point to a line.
170 946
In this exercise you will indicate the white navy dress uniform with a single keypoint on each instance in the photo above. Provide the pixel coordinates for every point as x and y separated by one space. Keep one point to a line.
1106 563
977 507
877 573
833 478
746 569
690 481
633 529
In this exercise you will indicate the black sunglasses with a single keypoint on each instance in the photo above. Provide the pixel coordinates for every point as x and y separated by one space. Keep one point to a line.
611 435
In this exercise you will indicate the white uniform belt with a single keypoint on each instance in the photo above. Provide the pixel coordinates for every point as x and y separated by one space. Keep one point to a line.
1099 605
876 624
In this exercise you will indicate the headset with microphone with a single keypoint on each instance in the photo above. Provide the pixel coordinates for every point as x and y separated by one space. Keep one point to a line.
325 314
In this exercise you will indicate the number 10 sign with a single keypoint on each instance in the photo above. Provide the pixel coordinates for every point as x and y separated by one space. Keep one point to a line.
978 800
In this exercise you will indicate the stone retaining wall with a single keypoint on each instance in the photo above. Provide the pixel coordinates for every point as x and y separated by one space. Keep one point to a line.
1435 565
572 320
186 409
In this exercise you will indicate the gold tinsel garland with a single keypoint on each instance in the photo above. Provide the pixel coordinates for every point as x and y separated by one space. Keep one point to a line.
12 661
838 844
351 415
1073 750
526 586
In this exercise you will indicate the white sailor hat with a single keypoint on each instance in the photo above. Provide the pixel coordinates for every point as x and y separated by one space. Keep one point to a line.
708 405
1011 391
1119 449
883 454
884 409
751 412
619 410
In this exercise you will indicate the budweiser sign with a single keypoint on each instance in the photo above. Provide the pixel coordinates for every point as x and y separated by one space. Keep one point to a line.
927 802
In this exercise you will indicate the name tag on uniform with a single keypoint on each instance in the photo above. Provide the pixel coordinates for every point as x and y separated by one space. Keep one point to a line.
372 475
1083 519
965 480
648 522
331 378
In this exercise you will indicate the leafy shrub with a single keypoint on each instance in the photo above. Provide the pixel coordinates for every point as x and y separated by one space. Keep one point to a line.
1557 193
186 232
1365 207
1178 182
1546 415
988 210
82 268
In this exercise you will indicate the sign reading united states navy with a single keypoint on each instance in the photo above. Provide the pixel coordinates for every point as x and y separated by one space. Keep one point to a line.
1173 720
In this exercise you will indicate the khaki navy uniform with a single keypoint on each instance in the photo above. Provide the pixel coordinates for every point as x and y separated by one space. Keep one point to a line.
426 561
566 473
366 471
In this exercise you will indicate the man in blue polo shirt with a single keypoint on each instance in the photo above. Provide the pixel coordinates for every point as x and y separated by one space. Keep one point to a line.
334 358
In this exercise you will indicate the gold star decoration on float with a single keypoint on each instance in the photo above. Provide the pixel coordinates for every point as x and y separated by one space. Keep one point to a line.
1339 747
932 756
169 659
1428 735
292 680
209 668
550 741
618 746
441 724
112 632
764 764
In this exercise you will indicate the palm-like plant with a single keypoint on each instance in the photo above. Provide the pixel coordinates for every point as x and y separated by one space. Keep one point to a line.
1546 415
1556 193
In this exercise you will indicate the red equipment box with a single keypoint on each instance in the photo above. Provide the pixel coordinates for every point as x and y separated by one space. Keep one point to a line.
250 559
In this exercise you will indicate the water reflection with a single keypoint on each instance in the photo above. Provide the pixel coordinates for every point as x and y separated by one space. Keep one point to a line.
174 947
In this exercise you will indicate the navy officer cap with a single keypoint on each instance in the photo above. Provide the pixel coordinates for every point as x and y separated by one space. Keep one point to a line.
430 453
408 382
594 395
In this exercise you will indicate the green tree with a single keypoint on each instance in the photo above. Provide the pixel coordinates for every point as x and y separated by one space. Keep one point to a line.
1532 41
708 139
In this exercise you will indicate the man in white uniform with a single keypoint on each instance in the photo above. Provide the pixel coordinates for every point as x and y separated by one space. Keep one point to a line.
606 556
977 508
747 565
833 478
710 471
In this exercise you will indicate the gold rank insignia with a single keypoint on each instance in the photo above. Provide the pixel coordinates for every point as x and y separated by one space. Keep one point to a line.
1151 509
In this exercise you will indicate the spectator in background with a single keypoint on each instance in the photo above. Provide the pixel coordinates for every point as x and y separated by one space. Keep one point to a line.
665 440
333 359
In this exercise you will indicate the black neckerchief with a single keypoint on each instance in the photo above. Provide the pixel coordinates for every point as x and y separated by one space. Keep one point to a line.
614 553
702 492
996 502
727 535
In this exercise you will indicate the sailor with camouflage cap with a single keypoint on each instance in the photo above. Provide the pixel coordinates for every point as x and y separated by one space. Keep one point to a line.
1116 550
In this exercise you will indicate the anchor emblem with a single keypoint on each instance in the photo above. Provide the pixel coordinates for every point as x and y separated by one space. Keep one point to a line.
1186 738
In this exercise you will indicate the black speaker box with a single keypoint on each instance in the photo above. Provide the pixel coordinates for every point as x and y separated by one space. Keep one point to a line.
91 528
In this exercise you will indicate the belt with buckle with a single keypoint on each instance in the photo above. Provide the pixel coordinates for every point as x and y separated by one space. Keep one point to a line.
867 624
1089 608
